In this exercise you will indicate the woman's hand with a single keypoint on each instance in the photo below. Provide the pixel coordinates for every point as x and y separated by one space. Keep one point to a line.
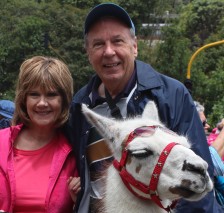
74 187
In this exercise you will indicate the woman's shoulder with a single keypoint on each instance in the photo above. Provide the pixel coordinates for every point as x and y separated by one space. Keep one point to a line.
9 133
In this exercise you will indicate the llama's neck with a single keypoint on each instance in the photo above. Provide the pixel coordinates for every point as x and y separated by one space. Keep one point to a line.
119 199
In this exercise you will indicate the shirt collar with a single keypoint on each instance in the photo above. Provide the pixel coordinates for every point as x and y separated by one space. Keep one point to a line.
96 99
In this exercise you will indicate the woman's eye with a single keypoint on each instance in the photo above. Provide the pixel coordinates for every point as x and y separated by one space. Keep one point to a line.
142 153
33 94
52 94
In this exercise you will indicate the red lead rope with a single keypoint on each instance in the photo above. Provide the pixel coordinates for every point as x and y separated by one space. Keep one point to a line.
151 189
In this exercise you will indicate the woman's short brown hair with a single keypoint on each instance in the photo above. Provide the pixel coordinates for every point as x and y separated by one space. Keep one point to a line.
48 73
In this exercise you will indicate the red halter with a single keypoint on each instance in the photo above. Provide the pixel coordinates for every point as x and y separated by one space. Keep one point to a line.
151 189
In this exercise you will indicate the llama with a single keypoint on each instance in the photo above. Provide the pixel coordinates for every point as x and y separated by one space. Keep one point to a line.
133 183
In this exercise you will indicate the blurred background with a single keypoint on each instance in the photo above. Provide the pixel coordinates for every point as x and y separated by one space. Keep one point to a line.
168 31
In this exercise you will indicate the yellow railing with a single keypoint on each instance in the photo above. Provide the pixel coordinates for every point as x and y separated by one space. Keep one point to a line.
196 53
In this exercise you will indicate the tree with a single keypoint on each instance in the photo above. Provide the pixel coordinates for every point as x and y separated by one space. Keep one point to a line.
30 28
81 4
200 22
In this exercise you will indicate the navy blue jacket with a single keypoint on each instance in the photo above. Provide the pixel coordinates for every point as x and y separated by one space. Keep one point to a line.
176 110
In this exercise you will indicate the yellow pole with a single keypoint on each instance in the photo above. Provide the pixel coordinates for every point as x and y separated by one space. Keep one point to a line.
196 53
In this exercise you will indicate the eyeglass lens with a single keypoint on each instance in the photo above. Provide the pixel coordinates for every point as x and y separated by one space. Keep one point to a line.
204 123
144 131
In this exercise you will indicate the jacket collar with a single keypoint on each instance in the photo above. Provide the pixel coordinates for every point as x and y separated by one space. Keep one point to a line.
147 77
61 138
15 131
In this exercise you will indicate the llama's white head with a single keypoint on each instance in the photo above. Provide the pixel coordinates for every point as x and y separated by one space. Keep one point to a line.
184 174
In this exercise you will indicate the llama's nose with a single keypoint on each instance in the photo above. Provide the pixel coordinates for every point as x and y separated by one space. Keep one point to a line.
195 168
199 180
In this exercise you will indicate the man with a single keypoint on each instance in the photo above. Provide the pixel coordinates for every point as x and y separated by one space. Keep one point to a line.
201 112
6 112
121 88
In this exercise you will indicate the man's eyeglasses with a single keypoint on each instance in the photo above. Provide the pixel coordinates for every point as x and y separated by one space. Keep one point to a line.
204 123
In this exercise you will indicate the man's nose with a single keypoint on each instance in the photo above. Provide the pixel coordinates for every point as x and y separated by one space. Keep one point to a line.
109 50
207 126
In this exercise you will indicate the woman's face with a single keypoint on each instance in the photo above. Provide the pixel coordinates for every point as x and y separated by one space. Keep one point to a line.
43 107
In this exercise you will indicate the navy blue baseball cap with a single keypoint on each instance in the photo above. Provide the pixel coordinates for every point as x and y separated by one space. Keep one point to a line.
107 9
7 108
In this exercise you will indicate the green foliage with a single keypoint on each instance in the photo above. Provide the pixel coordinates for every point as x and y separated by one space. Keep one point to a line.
201 18
217 112
173 54
145 52
200 22
31 28
82 4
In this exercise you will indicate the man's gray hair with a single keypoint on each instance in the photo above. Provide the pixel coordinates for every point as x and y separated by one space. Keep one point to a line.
199 107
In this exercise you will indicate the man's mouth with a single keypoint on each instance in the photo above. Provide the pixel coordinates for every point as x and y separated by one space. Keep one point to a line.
111 65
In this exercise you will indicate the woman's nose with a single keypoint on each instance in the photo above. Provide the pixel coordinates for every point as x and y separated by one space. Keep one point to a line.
42 100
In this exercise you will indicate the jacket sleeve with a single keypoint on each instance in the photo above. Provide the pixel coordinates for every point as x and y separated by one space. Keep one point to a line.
178 111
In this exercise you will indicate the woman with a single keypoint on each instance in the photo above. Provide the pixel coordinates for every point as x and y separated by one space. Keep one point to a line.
36 161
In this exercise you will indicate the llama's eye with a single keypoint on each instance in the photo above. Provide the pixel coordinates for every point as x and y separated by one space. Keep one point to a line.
142 153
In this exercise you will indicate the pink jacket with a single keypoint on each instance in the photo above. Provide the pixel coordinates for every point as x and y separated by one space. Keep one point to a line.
212 136
58 199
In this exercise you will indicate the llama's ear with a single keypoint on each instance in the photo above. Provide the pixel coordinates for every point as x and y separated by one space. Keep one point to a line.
151 111
105 126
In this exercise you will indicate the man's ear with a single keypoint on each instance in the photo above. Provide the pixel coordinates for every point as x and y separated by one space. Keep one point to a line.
88 55
135 47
